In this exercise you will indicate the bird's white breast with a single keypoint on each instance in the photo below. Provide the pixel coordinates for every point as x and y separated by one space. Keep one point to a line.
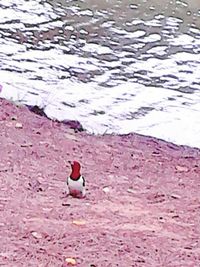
76 185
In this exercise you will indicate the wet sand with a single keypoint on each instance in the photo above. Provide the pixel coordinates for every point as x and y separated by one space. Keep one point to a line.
142 206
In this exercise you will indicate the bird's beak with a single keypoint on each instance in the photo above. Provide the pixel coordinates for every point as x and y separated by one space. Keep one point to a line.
69 161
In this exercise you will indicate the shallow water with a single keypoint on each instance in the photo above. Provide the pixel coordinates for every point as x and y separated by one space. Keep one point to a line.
115 66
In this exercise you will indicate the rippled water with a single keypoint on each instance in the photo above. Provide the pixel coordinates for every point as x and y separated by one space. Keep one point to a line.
115 66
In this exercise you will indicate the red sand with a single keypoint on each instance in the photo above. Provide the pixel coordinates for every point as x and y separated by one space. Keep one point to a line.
142 206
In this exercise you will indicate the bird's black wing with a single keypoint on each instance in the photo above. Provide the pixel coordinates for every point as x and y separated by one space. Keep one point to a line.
83 181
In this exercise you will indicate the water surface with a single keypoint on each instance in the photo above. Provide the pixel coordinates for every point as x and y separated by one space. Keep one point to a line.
116 66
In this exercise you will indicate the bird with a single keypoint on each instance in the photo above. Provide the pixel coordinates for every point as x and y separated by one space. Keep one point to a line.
76 182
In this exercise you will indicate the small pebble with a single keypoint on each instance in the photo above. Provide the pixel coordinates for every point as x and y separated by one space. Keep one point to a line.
106 189
70 261
36 235
18 125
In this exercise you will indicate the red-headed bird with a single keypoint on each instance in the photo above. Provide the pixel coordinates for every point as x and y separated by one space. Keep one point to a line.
76 182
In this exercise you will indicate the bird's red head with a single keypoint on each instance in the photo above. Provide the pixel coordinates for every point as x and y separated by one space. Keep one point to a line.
75 174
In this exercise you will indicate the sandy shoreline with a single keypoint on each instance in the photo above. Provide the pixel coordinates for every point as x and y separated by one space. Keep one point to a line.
148 215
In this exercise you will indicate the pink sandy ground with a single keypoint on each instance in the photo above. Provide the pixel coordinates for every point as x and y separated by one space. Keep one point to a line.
142 206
